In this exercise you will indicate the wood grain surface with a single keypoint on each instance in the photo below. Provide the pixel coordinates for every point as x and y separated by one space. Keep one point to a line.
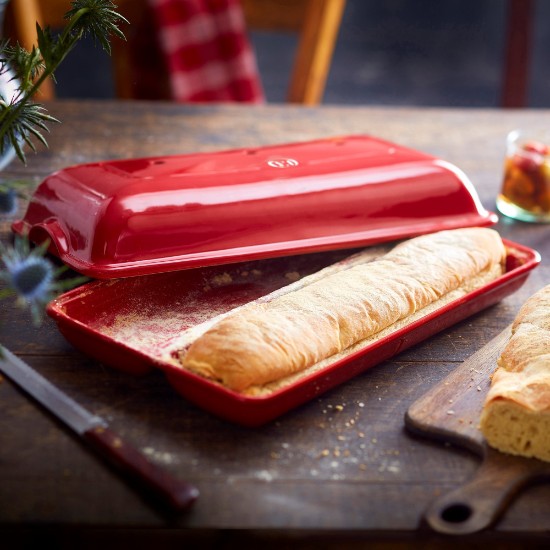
339 470
450 411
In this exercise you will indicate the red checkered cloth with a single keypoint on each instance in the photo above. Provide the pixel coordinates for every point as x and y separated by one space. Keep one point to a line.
206 50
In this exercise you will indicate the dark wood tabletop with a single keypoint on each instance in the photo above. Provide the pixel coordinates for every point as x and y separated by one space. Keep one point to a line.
340 469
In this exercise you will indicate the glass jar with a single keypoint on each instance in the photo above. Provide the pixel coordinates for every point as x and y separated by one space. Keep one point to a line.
525 193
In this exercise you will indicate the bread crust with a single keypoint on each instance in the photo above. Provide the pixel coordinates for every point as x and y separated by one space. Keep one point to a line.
516 413
265 342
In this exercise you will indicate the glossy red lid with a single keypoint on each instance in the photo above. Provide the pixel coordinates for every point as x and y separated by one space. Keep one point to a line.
140 216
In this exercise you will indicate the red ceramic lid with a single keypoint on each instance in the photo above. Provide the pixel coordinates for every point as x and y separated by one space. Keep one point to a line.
140 216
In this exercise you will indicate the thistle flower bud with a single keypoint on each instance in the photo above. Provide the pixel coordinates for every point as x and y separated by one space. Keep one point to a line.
31 278
8 202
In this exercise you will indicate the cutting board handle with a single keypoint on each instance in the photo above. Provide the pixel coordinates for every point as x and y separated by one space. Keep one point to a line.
480 502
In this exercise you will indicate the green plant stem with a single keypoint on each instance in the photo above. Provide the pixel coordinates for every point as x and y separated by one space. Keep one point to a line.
69 43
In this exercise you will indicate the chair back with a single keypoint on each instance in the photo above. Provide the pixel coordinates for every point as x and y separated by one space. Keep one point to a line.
317 23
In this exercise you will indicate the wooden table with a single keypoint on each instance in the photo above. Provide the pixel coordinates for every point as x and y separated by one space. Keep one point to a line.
275 484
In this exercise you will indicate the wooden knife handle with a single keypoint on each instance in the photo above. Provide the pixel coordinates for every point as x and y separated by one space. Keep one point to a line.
178 495
480 502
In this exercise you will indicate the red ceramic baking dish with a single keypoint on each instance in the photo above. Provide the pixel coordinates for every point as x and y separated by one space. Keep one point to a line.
141 216
243 220
136 325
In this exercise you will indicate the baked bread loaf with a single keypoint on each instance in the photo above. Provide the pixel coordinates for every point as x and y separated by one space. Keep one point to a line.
265 342
516 413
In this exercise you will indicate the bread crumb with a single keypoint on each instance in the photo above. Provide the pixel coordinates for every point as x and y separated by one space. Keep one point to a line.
166 458
223 279
264 475
292 276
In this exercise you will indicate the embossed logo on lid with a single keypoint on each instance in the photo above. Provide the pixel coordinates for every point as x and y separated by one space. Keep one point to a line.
282 163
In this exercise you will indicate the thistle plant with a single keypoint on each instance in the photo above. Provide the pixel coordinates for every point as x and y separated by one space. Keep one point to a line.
28 275
21 119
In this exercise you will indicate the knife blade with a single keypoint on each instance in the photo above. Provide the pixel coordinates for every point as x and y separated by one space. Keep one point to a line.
178 495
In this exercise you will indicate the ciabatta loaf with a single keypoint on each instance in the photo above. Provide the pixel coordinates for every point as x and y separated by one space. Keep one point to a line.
265 342
516 413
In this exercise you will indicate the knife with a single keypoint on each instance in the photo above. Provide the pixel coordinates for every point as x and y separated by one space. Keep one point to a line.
176 494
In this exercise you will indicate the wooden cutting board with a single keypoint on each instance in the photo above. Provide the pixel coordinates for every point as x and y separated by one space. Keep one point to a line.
450 413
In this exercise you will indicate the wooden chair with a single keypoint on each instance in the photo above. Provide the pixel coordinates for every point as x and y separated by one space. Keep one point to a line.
317 23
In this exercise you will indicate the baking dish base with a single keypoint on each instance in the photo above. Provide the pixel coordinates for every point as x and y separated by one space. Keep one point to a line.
136 324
